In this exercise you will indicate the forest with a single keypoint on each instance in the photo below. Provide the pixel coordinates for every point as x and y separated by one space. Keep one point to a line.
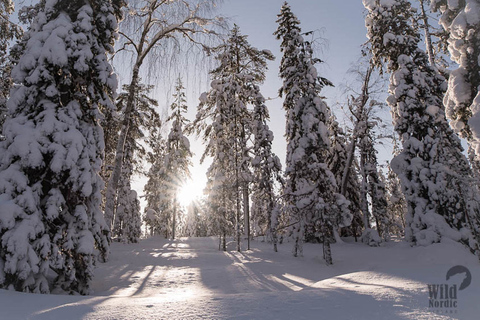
72 140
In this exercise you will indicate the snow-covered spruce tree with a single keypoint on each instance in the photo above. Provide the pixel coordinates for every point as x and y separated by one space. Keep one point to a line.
343 155
50 217
310 188
434 174
372 190
8 32
178 156
266 174
158 209
219 201
146 122
371 182
155 23
234 87
127 226
461 21
396 205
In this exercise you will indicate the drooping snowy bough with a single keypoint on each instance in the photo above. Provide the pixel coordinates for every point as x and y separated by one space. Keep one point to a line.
461 20
51 225
435 175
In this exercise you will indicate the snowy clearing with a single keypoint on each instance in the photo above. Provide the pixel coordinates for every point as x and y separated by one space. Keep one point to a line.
190 279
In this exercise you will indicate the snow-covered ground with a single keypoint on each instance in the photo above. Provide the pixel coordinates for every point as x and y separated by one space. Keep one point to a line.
191 279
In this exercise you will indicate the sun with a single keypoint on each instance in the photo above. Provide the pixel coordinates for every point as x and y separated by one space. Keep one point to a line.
190 192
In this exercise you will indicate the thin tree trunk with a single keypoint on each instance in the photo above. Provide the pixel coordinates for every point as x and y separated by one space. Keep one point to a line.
348 165
174 221
224 220
274 239
246 203
112 187
363 192
428 36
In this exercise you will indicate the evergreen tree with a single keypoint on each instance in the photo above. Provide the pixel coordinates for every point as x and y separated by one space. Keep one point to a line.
371 182
434 174
50 216
177 159
310 185
397 206
267 172
157 211
338 161
235 86
146 122
462 100
127 226
8 32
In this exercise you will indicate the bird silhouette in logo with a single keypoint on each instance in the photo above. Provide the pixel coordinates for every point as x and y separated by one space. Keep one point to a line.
461 269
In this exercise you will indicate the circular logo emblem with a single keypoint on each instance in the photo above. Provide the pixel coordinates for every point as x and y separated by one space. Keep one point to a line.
461 269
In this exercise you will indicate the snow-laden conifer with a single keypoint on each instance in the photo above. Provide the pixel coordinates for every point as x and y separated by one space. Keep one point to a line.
235 86
8 32
178 155
266 174
51 223
310 188
434 174
146 123
461 21
341 157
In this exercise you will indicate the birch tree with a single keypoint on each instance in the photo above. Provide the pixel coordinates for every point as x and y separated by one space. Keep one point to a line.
158 21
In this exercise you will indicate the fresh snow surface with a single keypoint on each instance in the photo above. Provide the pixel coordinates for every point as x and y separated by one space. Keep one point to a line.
190 279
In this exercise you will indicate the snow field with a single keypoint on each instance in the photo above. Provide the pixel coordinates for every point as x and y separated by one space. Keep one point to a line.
190 279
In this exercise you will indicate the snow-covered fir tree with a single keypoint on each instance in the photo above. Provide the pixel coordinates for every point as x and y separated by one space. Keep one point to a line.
397 207
310 188
371 184
267 171
157 211
146 122
50 217
343 155
235 86
127 223
8 32
435 176
177 160
461 21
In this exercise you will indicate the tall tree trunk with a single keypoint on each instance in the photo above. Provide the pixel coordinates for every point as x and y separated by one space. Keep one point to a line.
363 191
428 36
112 187
246 203
174 220
327 251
